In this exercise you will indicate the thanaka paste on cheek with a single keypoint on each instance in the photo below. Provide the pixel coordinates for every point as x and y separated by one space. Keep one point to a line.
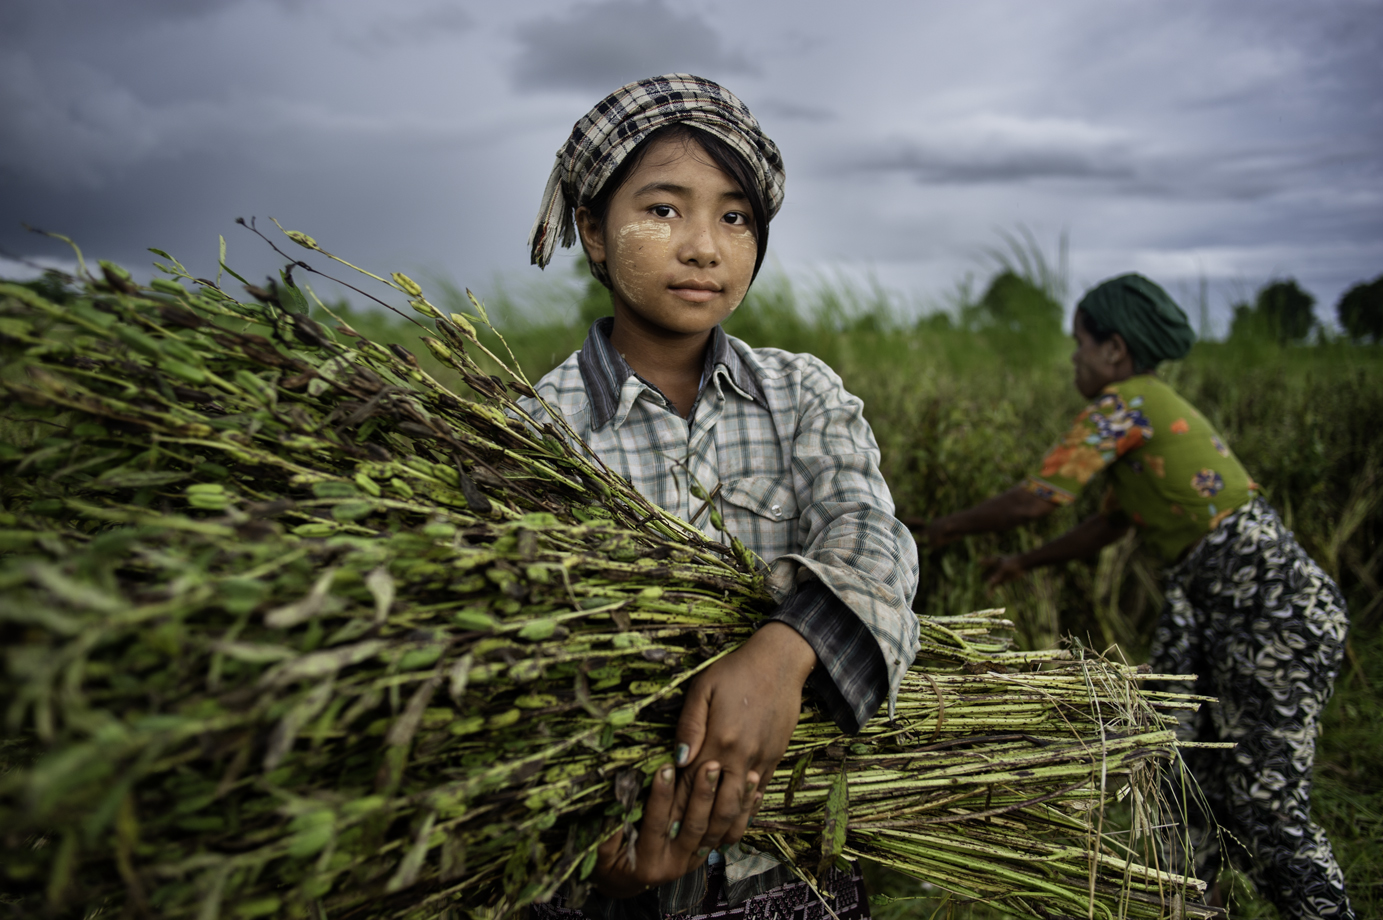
746 251
633 239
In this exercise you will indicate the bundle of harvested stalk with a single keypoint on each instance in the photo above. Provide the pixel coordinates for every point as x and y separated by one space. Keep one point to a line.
292 629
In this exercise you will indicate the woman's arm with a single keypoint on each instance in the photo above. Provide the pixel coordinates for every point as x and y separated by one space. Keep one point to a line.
1001 512
1080 542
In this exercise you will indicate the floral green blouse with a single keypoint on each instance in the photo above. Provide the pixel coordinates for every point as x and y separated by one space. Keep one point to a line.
1170 472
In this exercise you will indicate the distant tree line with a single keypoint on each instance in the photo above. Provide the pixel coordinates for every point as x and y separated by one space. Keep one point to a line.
1284 312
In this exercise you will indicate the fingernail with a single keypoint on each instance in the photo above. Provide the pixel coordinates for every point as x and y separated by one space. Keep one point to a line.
681 754
750 786
673 831
712 776
703 852
666 774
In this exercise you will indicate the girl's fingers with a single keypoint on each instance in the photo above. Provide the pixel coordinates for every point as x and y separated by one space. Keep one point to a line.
740 819
697 815
658 813
607 854
691 726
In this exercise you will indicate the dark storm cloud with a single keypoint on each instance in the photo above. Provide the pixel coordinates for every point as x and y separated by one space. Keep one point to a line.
21 22
597 47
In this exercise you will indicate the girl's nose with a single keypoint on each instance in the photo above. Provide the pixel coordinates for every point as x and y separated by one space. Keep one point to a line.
700 246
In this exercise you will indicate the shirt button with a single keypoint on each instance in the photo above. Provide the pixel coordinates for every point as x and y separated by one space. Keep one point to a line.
777 510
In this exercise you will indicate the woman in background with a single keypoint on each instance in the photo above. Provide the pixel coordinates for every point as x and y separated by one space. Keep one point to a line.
1246 609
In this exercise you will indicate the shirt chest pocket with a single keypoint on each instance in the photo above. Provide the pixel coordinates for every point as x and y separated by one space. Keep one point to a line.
762 511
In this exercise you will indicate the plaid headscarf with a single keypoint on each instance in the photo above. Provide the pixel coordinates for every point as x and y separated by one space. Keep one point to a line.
608 133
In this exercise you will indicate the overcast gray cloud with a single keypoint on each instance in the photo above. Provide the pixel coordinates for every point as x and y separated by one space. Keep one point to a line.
990 148
1180 138
597 47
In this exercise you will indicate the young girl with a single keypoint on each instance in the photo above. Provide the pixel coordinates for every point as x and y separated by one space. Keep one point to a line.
671 185
1246 609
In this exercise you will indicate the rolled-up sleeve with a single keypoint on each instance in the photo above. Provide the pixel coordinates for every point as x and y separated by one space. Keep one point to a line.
854 547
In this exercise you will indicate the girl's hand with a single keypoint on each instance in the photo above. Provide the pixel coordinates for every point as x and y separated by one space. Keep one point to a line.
740 714
1000 570
668 844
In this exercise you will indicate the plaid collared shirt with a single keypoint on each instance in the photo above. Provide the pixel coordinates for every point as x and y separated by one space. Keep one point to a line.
797 469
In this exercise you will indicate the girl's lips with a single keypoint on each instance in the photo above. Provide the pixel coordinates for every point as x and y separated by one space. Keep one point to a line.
693 295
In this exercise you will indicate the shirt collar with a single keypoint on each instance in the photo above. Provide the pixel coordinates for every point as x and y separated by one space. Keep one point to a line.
604 370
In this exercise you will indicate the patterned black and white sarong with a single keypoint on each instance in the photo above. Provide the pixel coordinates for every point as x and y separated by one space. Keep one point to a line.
1263 627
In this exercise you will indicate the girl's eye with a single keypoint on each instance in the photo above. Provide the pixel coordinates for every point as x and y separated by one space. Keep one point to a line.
662 210
738 218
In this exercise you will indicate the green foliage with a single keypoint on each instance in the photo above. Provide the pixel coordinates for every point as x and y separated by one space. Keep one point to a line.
1286 310
1360 310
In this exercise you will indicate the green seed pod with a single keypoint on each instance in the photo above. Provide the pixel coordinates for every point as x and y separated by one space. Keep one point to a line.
352 510
333 489
401 487
193 375
314 530
302 239
419 658
92 315
439 351
256 385
368 485
425 308
504 719
167 286
464 325
205 488
208 502
536 701
180 351
538 630
467 726
110 268
407 284
621 717
138 341
475 620
717 521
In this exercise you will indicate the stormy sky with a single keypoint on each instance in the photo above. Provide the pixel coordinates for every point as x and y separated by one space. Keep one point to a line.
1237 142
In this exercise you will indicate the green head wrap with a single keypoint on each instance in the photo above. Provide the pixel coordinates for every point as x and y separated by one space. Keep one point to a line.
1152 325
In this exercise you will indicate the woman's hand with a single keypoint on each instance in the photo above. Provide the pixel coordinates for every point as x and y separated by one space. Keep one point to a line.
1000 570
740 714
936 534
668 843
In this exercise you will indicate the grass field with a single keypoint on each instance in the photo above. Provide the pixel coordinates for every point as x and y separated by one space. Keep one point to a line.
963 409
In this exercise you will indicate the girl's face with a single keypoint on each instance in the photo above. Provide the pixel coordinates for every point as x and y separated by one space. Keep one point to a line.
678 242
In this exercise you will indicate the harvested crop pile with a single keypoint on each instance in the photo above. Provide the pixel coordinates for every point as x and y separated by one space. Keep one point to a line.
292 629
